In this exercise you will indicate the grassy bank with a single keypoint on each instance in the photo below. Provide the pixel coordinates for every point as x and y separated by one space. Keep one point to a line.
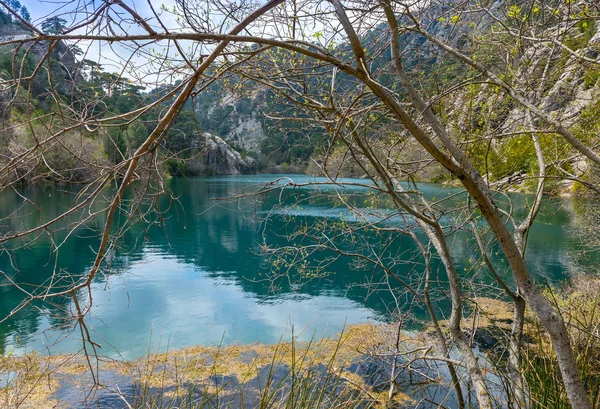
349 371
322 373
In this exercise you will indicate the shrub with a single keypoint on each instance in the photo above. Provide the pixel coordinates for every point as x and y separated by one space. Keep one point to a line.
176 167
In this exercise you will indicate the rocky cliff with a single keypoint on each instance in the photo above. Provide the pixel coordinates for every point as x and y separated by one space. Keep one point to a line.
216 157
67 66
235 118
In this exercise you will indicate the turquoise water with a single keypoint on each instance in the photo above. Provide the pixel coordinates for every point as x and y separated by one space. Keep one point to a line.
200 277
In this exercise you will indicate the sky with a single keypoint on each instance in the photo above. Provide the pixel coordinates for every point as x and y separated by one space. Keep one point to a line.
113 57
138 67
40 10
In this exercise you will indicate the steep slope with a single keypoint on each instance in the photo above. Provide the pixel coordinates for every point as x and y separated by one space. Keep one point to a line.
214 157
481 114
81 155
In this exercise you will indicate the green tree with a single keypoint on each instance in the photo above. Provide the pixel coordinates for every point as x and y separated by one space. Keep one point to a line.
54 25
25 14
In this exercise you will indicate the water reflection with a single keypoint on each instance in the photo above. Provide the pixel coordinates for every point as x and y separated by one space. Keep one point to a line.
200 279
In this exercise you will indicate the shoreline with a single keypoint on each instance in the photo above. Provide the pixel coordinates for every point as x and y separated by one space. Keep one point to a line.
355 366
359 358
64 380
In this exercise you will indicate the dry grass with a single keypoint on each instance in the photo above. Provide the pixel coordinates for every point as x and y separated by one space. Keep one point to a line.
173 379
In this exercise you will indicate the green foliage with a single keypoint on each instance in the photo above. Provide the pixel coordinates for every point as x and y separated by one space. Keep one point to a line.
517 154
11 65
585 31
62 161
5 18
587 126
25 14
176 167
54 25
182 134
117 95
223 105
16 6
591 76
136 134
115 144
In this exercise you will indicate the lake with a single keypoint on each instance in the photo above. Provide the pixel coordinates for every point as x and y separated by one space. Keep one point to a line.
199 278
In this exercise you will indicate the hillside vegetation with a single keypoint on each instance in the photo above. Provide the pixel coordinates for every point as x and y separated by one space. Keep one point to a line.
79 154
239 125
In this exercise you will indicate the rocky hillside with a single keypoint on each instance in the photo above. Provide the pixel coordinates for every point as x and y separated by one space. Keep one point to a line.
235 117
567 86
564 85
216 157
63 58
81 154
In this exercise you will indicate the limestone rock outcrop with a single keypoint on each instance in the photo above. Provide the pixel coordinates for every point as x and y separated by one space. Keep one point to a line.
216 157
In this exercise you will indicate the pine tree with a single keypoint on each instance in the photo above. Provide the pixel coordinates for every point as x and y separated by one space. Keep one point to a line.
25 14
54 25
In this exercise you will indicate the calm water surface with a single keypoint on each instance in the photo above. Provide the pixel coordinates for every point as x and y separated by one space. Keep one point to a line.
199 278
